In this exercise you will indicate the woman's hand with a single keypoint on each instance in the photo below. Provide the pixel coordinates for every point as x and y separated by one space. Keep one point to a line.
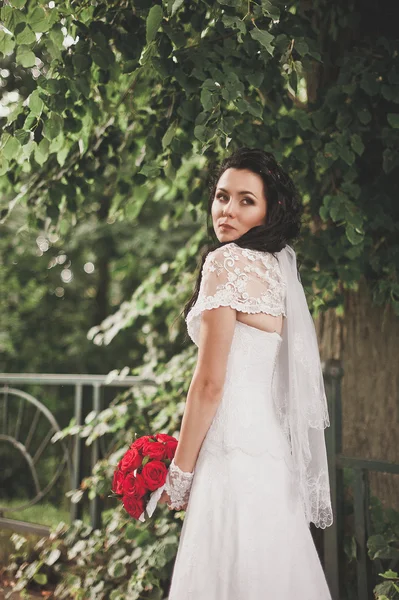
165 499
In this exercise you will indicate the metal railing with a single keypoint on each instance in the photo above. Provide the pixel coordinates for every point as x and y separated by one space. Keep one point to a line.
333 536
10 432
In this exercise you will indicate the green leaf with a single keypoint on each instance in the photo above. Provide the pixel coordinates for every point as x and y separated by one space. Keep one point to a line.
370 84
52 126
30 121
208 100
83 85
40 578
301 47
347 155
264 38
81 62
25 57
286 127
255 78
62 155
153 22
269 10
357 144
169 170
39 21
393 120
18 3
53 557
389 574
35 103
321 119
11 148
390 92
11 17
232 87
24 34
226 124
42 151
199 132
255 109
364 116
303 119
131 532
176 36
4 165
52 86
315 55
169 135
233 3
117 569
53 49
103 57
324 213
332 150
390 159
152 171
175 6
233 22
7 43
337 207
355 236
22 136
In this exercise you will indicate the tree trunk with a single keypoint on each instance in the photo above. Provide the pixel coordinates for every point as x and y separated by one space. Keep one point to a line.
367 343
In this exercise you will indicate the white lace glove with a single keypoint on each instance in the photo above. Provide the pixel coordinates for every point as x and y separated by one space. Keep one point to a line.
178 485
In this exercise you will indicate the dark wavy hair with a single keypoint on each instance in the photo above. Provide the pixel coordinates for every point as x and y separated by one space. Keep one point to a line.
284 208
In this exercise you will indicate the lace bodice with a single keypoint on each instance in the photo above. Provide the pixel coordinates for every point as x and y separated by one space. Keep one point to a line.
249 281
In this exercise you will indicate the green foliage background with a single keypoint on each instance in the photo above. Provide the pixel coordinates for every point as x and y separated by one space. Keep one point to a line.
121 109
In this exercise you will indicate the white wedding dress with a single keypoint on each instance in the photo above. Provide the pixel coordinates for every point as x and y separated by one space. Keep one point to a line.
245 536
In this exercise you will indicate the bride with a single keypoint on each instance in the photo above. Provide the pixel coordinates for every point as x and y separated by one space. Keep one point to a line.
250 468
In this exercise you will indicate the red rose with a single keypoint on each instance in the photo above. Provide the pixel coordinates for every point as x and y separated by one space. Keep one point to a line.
154 450
164 437
134 506
117 482
134 485
154 474
170 444
170 449
138 444
130 461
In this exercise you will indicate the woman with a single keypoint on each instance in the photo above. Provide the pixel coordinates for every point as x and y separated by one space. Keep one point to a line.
250 467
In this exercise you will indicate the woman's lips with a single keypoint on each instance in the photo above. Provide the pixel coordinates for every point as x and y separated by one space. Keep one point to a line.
226 226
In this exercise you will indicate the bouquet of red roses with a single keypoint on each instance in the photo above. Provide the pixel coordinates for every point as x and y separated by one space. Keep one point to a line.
139 479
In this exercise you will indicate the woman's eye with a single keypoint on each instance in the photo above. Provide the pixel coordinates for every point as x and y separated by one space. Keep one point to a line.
223 197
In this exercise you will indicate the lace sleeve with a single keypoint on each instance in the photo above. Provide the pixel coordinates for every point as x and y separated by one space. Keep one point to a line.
178 485
249 281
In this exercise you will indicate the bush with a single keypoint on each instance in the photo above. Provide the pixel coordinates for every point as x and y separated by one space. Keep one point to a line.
126 558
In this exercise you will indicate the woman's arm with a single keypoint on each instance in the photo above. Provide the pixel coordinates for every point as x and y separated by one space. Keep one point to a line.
201 405
206 388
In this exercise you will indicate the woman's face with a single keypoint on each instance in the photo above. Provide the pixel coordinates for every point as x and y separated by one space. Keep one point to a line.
240 202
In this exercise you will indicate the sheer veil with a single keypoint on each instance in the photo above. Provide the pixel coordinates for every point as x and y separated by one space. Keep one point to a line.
299 397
